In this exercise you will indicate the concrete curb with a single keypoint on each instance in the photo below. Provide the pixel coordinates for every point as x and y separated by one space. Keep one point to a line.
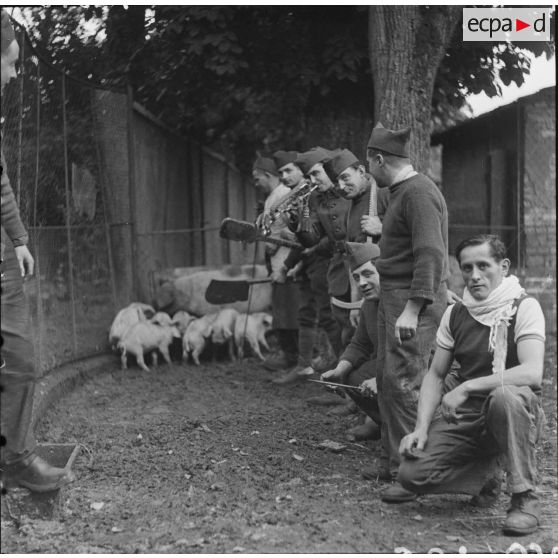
64 380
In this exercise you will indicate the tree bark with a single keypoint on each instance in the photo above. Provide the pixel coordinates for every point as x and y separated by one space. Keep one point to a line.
406 46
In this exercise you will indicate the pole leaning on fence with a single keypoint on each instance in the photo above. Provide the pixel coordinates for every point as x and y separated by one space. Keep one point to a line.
68 224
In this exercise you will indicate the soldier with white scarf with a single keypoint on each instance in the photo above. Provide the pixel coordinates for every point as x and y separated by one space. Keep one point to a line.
490 408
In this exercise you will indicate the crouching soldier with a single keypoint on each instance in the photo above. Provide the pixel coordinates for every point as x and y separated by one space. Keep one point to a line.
357 365
490 407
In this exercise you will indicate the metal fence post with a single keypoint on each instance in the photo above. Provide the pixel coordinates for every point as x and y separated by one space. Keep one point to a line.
68 213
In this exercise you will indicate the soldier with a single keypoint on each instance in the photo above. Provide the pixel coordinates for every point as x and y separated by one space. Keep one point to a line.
284 294
314 309
363 223
413 267
20 463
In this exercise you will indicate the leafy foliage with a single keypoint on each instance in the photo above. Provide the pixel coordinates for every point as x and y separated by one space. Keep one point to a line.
247 77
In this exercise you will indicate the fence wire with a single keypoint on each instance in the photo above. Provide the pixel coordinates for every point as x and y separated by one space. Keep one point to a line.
53 162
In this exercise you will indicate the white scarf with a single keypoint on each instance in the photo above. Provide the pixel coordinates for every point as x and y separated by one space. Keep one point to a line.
406 172
496 312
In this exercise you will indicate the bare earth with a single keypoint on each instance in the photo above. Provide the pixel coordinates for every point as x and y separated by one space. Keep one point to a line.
217 459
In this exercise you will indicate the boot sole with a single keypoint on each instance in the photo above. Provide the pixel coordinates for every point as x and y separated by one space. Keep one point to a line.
514 532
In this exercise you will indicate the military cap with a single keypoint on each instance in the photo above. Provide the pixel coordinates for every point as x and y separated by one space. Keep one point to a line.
8 34
358 253
265 164
395 142
283 158
305 161
339 162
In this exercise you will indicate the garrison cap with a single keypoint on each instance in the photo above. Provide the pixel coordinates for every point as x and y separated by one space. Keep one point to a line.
358 253
265 164
305 161
283 158
8 34
395 142
341 160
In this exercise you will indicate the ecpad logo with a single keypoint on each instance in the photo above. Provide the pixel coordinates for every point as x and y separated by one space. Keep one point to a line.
506 24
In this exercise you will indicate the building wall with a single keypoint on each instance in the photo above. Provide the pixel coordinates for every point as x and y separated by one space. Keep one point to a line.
539 184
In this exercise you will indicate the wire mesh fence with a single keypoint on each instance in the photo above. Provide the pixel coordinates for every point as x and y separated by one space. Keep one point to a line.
52 154
110 197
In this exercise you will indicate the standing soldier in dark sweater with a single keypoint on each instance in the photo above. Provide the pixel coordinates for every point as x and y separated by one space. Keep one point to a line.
413 268
19 462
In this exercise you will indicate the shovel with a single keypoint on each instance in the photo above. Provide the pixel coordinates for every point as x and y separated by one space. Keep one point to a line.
225 292
243 231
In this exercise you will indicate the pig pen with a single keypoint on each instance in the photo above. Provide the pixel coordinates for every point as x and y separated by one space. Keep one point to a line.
217 459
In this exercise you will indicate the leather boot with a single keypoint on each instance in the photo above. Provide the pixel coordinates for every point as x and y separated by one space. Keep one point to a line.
306 342
524 514
38 476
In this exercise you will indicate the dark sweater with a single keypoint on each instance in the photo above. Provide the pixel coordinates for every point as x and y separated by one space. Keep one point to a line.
414 243
11 221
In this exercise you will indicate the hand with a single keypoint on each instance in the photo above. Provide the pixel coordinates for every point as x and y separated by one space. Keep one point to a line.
354 317
369 387
451 402
279 275
25 260
452 297
371 225
293 271
334 375
413 443
406 326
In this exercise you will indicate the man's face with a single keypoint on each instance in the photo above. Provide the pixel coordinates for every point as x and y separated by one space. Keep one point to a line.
290 175
368 280
9 59
376 167
352 182
261 181
481 272
319 178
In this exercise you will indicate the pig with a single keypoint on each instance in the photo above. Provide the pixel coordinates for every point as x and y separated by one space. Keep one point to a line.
196 335
127 317
222 329
187 292
181 319
252 328
146 337
161 318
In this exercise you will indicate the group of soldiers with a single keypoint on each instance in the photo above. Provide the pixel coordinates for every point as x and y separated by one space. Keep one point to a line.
450 389
449 399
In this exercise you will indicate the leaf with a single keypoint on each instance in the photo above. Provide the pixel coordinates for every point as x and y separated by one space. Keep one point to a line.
298 457
97 506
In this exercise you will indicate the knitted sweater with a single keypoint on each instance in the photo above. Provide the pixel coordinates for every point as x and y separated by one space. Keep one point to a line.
414 243
11 221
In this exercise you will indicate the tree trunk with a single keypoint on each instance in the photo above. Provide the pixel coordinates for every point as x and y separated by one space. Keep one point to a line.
406 46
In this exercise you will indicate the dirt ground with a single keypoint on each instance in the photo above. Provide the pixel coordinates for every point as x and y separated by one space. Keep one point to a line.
217 459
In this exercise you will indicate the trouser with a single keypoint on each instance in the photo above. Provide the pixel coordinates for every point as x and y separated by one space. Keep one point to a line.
401 368
459 458
285 301
18 373
315 310
368 405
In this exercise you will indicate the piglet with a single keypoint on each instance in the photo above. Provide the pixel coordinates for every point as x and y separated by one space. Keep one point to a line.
252 328
181 319
161 318
196 335
147 337
222 329
127 317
